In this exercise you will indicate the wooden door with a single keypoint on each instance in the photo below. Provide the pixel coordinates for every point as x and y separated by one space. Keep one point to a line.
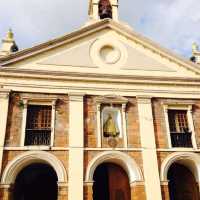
111 183
119 185
182 184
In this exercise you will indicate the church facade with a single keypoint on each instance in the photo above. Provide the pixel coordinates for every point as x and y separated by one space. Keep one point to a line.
102 113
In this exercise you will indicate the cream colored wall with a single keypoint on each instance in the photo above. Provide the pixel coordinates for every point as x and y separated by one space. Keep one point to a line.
76 81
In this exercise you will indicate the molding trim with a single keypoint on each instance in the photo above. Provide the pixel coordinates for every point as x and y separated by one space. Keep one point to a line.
23 160
188 159
125 161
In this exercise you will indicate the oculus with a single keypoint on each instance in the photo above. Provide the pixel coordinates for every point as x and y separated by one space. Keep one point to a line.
110 54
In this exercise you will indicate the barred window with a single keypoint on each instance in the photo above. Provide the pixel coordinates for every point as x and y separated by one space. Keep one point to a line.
38 117
178 121
38 126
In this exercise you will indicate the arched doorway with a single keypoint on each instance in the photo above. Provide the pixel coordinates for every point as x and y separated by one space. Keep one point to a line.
36 181
182 183
111 183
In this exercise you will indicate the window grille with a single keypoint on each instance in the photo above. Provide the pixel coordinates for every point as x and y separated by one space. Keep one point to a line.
38 125
179 129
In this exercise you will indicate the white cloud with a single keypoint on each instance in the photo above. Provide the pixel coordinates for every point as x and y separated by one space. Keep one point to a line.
171 23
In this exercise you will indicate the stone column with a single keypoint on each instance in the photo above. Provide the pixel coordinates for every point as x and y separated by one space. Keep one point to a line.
6 192
62 191
76 144
149 154
4 103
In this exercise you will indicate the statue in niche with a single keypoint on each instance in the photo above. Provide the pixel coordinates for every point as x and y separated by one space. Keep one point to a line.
105 9
110 128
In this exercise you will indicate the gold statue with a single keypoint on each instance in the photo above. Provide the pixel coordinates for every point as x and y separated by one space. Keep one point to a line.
110 128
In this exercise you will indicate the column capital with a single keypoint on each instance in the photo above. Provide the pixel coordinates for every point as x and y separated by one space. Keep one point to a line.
62 184
90 183
4 94
76 96
144 99
164 182
123 107
133 184
6 186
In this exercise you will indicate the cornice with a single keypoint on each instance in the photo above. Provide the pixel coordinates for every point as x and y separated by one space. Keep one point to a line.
96 77
89 90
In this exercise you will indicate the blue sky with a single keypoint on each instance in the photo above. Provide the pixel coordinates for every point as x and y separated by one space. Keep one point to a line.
174 24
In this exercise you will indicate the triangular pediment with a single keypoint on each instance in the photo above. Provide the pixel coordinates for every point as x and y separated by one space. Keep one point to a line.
102 48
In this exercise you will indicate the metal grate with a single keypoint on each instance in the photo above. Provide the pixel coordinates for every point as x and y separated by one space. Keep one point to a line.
178 120
179 129
38 126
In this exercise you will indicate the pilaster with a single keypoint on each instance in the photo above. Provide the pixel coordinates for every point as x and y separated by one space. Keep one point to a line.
4 103
76 144
150 163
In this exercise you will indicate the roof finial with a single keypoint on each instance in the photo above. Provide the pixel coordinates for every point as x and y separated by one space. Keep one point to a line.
10 35
195 47
8 44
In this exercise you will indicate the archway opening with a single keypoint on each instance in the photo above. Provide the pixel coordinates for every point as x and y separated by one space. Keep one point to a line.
182 183
36 181
111 183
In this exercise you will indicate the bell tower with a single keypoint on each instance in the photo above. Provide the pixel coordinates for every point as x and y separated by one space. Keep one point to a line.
103 9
